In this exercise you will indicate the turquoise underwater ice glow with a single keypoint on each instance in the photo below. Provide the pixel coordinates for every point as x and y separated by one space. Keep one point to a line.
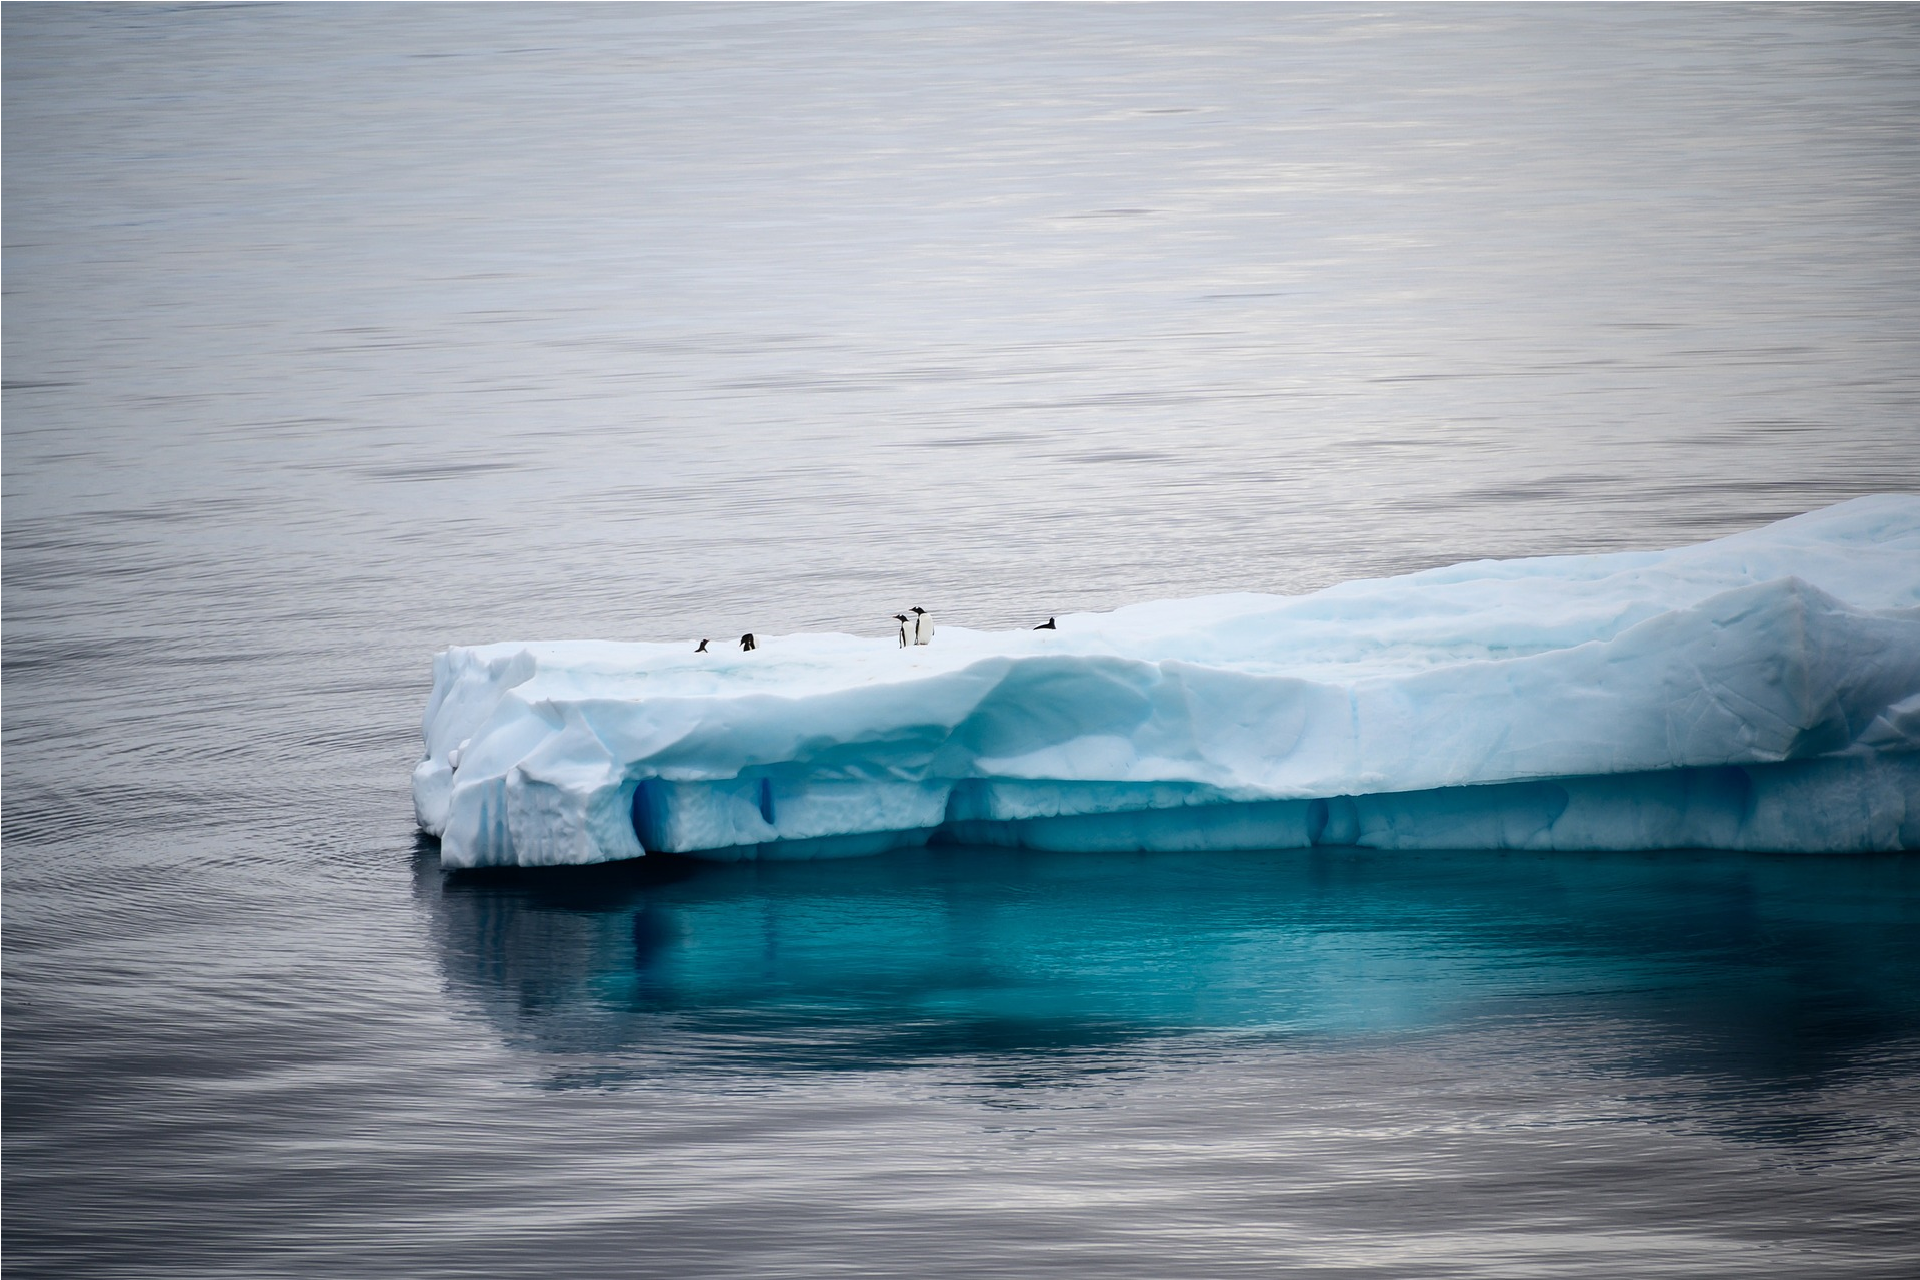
1758 692
661 967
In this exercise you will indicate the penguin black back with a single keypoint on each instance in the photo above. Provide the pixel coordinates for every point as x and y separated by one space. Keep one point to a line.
702 648
746 643
1047 626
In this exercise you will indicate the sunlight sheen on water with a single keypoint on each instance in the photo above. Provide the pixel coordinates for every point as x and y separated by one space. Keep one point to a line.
337 335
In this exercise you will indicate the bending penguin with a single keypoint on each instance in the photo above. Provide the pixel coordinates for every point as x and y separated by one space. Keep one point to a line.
1047 626
702 648
901 618
922 626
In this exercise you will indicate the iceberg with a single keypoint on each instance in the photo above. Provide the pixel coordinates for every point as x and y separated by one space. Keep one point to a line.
1759 692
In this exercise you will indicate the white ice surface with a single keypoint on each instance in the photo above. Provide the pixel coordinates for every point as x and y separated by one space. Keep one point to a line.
1761 691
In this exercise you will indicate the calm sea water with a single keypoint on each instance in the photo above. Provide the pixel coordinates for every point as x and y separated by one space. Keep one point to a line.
334 335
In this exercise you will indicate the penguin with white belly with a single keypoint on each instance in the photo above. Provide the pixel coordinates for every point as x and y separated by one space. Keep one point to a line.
901 618
922 626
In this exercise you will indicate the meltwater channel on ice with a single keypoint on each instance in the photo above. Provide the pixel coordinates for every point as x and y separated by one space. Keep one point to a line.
1760 692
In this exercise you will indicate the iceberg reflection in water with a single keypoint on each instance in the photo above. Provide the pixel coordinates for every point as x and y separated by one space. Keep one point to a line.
1736 972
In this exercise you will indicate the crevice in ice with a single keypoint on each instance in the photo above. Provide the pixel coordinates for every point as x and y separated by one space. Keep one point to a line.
641 812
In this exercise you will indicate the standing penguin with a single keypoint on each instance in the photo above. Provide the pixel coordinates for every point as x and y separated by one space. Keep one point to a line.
702 648
901 618
1047 626
746 643
922 626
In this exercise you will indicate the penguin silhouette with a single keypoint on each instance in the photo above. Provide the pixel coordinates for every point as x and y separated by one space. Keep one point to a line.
1047 626
922 626
901 618
746 643
702 648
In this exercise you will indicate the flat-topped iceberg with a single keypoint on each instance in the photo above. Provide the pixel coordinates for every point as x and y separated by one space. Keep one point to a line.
1758 692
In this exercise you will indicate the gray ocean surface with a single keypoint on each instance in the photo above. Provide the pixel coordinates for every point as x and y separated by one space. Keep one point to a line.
337 335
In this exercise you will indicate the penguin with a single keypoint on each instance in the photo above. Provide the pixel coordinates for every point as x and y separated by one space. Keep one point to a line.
922 626
1047 626
901 618
746 643
702 648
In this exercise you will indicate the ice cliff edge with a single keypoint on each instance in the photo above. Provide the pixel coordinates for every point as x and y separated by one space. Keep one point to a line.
1760 692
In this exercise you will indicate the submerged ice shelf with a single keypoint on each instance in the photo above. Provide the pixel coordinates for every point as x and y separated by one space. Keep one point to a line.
1758 692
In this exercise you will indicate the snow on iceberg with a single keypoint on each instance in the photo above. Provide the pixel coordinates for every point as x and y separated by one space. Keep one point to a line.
1758 692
